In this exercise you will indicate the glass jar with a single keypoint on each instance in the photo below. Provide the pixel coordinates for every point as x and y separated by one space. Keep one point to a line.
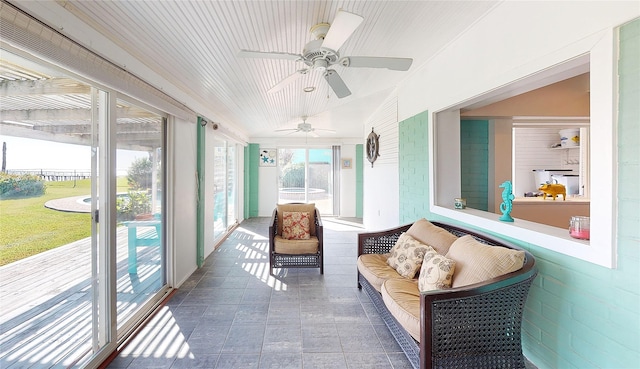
579 227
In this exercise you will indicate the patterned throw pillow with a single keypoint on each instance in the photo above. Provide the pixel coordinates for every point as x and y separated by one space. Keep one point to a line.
295 225
406 255
436 272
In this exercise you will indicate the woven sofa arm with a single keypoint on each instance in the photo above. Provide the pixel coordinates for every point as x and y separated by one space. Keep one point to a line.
379 242
476 326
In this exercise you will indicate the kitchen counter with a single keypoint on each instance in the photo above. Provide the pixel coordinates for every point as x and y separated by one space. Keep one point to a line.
547 211
542 201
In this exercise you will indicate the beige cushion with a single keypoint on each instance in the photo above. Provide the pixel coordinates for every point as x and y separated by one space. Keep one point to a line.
428 233
309 208
295 247
477 262
375 270
407 255
295 225
436 272
402 299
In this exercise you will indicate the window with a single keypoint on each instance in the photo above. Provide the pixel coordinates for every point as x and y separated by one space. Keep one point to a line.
446 181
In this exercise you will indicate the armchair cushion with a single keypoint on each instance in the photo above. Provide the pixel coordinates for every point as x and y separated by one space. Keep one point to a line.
295 225
407 255
476 262
307 208
295 247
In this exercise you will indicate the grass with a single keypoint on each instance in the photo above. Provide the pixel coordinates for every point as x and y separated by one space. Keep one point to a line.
28 228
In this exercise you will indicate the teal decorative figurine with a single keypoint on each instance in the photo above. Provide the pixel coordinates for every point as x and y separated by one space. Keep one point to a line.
507 202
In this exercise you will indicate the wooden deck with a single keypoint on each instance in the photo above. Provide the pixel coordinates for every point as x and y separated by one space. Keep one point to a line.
45 302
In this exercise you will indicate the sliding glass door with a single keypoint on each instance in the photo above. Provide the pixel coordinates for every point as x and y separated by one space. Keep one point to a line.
306 175
139 208
224 190
82 251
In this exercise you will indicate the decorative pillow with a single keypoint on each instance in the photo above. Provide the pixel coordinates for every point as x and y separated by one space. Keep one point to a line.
295 225
477 262
430 234
307 208
436 272
406 255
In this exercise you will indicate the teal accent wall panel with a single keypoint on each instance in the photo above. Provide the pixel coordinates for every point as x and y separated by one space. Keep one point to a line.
413 168
474 163
579 315
359 180
251 183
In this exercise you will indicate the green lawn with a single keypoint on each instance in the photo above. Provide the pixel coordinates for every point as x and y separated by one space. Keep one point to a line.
28 228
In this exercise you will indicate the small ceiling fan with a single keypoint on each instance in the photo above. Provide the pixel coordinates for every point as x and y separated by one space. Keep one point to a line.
323 52
306 128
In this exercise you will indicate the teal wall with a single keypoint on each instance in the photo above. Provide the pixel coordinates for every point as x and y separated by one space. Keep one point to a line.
474 163
359 180
578 315
251 164
413 168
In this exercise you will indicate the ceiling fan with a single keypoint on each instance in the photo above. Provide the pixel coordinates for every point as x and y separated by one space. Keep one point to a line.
323 52
306 128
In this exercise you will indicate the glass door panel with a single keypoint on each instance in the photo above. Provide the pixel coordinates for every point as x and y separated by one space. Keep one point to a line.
48 242
220 188
139 208
320 189
306 175
231 185
291 176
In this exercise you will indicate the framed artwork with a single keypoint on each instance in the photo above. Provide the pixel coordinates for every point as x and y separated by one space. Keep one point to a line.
346 163
268 157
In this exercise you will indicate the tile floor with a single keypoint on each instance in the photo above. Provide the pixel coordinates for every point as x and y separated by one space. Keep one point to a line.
232 314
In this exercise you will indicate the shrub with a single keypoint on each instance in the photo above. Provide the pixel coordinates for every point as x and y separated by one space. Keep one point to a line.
136 202
139 174
21 185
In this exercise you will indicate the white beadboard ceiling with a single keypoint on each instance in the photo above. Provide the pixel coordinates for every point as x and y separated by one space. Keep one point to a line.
194 45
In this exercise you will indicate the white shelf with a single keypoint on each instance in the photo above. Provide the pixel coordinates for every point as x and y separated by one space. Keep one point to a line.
564 148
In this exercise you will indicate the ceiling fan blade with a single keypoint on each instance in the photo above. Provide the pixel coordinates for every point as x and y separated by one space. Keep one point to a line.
268 55
402 64
286 129
325 130
287 81
337 84
343 26
314 133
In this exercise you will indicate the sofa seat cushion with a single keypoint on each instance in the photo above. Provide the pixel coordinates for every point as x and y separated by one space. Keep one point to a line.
375 270
295 247
402 298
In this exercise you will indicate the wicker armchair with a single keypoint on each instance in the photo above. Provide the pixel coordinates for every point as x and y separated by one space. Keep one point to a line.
285 253
475 326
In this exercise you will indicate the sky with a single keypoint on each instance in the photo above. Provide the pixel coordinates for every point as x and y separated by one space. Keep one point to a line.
30 154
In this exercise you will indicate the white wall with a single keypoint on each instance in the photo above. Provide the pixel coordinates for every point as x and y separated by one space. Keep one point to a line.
516 39
183 192
382 181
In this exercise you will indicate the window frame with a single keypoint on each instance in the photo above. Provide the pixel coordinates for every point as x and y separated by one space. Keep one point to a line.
444 158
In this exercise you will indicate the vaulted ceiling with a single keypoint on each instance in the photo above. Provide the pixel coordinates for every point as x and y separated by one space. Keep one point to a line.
194 46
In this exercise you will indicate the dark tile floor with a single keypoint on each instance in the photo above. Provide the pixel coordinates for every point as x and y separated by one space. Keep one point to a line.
232 313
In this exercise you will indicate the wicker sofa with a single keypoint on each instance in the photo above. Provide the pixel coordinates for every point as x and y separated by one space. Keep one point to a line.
471 326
